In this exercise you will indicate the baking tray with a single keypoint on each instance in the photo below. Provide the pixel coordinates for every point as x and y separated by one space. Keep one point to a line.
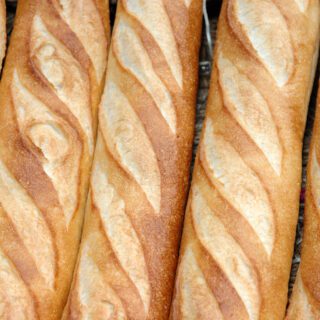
211 13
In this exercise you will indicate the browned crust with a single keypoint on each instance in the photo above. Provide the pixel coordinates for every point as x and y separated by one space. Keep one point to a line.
232 164
26 158
157 233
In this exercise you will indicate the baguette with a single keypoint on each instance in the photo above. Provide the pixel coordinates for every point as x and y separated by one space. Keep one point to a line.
129 247
305 299
241 217
49 95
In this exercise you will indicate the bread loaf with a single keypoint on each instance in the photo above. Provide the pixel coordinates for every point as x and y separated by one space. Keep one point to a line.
140 173
49 93
305 300
240 224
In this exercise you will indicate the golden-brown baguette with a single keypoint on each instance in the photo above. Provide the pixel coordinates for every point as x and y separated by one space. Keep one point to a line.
49 96
140 173
242 211
305 299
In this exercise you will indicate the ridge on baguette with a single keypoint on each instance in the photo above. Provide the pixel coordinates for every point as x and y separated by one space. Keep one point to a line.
89 30
131 53
127 140
115 220
251 110
64 73
155 19
268 35
222 247
238 184
61 152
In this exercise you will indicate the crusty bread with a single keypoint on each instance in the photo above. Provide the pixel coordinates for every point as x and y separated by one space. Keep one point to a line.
140 174
305 299
242 211
3 34
49 94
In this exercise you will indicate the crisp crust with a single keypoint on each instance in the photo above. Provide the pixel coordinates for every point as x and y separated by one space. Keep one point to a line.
50 90
140 174
240 224
305 300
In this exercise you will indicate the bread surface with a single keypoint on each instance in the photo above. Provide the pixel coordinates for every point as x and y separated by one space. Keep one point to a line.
242 211
49 94
140 174
305 299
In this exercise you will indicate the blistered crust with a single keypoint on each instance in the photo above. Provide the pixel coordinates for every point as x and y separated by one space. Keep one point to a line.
50 89
240 223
